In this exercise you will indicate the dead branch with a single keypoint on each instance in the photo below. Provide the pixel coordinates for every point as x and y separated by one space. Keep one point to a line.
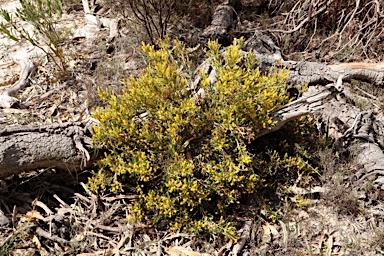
359 132
223 20
6 99
358 24
244 237
359 65
300 107
154 15
307 8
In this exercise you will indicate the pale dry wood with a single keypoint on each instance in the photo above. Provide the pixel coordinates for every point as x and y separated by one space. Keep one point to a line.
43 206
3 219
359 65
87 10
47 235
88 14
305 191
113 28
244 237
6 92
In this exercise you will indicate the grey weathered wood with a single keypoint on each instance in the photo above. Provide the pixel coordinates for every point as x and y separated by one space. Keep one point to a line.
300 107
65 147
318 73
223 20
360 133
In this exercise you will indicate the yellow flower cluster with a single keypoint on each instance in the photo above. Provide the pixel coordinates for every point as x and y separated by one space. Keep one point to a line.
188 163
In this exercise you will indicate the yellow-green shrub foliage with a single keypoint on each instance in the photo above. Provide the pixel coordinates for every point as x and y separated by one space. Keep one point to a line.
187 162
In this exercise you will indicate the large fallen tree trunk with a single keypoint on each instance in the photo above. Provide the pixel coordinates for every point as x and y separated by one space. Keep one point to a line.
319 73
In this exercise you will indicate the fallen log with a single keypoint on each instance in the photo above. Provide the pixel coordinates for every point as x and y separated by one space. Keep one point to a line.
301 107
63 146
359 65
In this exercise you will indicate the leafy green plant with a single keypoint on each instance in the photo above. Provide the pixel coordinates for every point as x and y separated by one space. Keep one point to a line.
189 162
42 15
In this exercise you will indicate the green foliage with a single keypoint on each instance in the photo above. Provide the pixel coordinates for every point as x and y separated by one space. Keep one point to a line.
12 242
42 15
189 162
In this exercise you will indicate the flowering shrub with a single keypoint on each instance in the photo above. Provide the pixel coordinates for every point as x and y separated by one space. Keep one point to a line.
187 162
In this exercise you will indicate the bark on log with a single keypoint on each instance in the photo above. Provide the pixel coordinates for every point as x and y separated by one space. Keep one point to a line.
359 133
63 146
318 73
223 20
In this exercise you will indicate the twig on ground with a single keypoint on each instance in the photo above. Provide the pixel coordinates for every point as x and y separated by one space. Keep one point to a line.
244 237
